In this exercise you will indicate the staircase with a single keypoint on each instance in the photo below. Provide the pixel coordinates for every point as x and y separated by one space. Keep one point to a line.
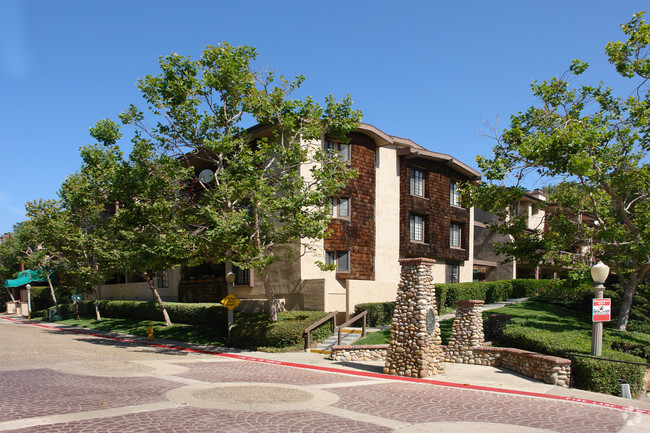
348 336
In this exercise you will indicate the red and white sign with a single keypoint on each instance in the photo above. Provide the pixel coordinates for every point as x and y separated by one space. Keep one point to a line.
602 310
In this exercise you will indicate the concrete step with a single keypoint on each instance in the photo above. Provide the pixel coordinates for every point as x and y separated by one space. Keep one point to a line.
348 336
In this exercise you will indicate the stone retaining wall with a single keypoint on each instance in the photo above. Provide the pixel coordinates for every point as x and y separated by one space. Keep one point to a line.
376 352
550 369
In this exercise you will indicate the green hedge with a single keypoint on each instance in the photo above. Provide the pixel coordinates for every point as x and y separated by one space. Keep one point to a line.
488 291
213 315
254 331
379 313
250 331
593 375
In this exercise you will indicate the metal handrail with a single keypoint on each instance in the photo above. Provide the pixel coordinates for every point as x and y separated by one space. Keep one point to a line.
351 321
308 330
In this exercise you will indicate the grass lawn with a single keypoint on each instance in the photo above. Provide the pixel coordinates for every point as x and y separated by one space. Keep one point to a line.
383 337
534 314
179 332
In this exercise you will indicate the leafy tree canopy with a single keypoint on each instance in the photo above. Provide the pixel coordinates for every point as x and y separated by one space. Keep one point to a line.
598 143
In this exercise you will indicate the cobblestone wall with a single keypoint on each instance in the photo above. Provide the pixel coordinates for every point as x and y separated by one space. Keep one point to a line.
376 352
495 326
415 345
550 369
467 330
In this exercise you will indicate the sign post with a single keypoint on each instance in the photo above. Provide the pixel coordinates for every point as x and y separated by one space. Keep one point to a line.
601 307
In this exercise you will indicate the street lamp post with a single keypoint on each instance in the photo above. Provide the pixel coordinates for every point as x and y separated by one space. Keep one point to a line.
29 302
599 274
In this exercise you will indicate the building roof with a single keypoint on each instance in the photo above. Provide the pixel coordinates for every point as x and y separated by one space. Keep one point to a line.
406 147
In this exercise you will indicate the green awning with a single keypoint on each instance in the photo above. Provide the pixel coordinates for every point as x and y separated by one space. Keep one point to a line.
26 277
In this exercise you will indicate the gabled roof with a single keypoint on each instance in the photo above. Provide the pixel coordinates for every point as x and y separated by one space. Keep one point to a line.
406 147
410 149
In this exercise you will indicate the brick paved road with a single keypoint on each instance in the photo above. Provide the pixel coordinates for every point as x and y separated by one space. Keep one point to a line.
54 381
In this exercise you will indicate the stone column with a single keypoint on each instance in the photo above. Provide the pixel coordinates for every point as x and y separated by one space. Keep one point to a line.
467 330
415 348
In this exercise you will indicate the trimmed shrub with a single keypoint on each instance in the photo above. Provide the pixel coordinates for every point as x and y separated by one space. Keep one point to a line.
253 331
606 376
526 288
568 293
593 375
214 315
489 291
379 313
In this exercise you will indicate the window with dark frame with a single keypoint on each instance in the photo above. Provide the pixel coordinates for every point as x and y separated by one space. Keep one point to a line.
242 276
340 207
455 231
416 228
163 280
454 195
453 273
417 182
341 148
339 258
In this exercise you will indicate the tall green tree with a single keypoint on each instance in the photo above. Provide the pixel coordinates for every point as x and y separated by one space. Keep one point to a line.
10 257
268 190
139 218
37 238
596 140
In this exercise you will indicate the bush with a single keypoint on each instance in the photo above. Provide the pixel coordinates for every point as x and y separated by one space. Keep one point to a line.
379 313
568 293
593 375
606 376
488 291
526 288
213 315
254 331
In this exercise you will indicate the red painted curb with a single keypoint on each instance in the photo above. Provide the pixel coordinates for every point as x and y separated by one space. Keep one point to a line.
338 370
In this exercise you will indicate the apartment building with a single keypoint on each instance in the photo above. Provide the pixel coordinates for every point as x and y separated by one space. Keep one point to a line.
403 203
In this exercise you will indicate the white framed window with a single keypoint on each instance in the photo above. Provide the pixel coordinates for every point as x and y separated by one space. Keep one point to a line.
341 148
455 231
340 207
339 258
416 228
417 182
453 273
454 195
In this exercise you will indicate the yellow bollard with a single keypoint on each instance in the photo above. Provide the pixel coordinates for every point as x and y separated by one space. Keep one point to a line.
149 333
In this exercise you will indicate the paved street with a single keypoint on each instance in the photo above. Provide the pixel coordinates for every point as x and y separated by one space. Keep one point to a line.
58 381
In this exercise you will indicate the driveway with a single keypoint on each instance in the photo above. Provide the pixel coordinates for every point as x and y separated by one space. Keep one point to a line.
55 380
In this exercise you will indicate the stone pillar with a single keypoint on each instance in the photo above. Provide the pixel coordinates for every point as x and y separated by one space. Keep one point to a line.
467 330
495 326
415 347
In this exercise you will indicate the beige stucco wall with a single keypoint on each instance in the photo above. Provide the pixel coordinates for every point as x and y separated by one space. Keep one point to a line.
141 291
387 217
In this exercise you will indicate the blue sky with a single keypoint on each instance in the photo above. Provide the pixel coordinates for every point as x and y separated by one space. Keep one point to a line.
430 71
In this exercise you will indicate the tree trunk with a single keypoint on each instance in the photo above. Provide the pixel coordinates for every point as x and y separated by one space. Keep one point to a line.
11 295
99 316
629 289
157 298
49 283
270 296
